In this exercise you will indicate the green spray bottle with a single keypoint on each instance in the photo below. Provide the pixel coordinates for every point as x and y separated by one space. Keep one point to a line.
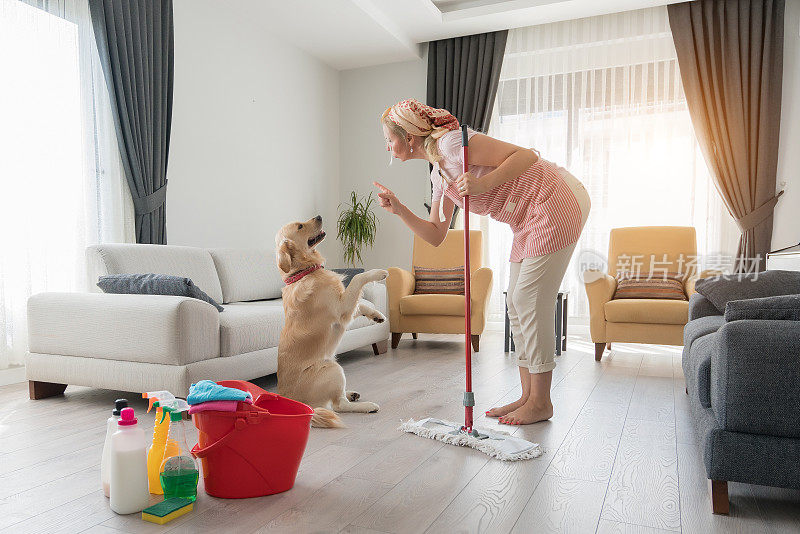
179 472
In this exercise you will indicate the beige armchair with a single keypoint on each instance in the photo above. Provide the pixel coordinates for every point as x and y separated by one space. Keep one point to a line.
439 314
648 249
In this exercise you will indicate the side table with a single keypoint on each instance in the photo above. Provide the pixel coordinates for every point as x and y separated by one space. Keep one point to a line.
561 324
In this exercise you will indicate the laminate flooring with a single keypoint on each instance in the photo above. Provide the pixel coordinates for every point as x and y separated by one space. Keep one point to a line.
620 456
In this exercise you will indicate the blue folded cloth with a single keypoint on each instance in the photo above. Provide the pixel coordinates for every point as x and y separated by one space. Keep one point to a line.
208 390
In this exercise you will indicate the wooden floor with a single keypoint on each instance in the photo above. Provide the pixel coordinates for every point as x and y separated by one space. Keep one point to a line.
620 456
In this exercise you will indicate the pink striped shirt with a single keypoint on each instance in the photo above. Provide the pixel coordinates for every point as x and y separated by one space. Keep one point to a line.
538 205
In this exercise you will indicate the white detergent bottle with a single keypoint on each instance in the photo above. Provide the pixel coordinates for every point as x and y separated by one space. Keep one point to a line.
111 427
129 493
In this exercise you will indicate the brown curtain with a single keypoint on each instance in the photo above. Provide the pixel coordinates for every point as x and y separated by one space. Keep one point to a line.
730 54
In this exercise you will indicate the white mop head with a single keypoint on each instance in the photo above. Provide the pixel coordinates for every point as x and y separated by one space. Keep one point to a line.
497 444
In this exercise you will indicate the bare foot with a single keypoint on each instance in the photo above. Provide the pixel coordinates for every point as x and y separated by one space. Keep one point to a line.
528 413
508 408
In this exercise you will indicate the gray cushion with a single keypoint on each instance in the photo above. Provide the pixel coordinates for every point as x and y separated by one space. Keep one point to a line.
781 308
720 290
153 284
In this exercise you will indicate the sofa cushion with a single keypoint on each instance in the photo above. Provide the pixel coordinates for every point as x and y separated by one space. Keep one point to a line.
720 290
698 328
699 306
780 308
649 311
247 274
432 305
699 366
125 258
250 326
153 284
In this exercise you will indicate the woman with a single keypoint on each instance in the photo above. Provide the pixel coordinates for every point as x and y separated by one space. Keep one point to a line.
545 206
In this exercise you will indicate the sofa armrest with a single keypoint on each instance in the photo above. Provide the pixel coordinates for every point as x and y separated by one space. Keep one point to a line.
699 306
600 288
135 328
480 289
399 284
375 292
755 377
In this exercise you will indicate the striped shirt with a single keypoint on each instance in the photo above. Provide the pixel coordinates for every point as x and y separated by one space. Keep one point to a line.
540 207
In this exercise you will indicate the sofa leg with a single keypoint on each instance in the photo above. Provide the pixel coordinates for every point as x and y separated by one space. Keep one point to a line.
608 346
396 339
42 390
476 343
414 335
598 351
380 347
719 497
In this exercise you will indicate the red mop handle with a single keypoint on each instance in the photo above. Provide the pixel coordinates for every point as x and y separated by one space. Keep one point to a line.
469 399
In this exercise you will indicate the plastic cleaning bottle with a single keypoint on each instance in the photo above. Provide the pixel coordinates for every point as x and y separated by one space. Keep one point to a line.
128 466
179 473
155 454
111 427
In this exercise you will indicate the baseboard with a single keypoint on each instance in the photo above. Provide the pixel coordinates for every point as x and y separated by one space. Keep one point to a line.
12 375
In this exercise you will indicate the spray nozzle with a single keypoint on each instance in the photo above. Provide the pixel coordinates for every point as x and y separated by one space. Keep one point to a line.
157 396
174 408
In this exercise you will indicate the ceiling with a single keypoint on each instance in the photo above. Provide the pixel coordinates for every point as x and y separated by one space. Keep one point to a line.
348 34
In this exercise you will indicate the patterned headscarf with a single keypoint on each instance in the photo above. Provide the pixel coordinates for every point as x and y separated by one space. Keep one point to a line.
418 119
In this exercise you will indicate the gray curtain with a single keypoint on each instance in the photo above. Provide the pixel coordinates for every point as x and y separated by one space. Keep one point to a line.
463 75
135 43
730 54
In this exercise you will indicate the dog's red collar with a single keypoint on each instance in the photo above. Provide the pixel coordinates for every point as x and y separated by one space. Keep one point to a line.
298 275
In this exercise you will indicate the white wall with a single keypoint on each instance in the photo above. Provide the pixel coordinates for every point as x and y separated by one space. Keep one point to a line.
254 132
365 94
786 226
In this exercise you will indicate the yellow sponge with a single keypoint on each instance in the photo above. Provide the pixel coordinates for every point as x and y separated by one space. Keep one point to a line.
167 510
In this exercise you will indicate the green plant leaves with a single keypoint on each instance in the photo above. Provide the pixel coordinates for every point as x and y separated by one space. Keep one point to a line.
356 227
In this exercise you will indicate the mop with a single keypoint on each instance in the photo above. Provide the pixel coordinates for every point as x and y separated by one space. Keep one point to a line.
496 444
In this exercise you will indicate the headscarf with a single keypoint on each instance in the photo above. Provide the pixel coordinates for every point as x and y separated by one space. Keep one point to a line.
418 119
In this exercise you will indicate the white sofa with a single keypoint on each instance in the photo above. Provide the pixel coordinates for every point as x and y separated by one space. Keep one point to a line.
147 342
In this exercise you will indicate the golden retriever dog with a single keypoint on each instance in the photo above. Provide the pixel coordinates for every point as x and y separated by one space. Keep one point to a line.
318 309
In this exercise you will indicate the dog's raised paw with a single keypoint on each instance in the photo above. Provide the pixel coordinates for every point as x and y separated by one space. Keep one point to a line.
379 274
353 396
374 408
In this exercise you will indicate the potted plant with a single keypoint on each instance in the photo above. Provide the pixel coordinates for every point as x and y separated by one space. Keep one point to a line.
355 228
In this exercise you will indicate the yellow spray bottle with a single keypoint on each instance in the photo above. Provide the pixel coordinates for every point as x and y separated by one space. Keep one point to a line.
155 455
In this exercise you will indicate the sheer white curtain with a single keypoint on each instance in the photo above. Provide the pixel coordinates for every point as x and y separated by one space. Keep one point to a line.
62 183
602 97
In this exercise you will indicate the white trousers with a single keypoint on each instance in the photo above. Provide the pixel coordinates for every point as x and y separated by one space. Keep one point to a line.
532 291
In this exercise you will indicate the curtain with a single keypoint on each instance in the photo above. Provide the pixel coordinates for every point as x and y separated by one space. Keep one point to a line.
602 97
731 57
62 184
135 42
463 73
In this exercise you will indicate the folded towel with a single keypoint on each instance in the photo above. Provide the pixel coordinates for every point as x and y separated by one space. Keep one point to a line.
217 406
207 390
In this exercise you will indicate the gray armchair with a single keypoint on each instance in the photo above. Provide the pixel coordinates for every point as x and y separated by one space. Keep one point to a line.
743 381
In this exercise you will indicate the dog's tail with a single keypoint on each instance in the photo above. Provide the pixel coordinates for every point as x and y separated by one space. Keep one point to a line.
324 418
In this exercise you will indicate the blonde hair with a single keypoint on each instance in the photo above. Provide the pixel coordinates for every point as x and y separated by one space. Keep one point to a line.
429 144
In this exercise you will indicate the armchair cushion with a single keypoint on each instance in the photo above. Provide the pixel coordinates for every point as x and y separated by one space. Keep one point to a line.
439 281
781 308
720 290
452 305
649 311
657 286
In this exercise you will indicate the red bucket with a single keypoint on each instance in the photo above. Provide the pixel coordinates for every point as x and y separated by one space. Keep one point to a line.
255 450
